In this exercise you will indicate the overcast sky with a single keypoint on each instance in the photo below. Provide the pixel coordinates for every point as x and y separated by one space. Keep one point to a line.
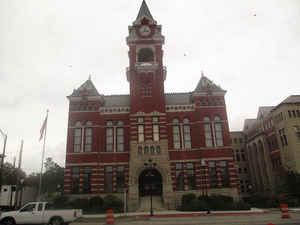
251 48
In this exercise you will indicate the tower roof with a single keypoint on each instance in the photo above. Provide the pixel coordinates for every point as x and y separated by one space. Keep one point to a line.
144 13
205 85
86 89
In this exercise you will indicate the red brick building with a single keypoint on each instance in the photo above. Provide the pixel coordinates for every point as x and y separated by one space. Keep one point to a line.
168 144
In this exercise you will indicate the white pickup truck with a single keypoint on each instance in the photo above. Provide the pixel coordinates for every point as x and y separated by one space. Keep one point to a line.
40 213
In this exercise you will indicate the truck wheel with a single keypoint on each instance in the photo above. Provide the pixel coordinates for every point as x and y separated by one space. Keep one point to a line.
8 221
56 221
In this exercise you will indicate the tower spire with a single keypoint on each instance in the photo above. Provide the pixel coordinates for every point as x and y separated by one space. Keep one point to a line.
144 12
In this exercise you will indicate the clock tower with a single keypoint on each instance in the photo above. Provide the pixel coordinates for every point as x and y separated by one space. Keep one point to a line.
146 73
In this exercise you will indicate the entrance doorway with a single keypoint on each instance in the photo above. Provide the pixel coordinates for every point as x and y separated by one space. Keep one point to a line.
150 181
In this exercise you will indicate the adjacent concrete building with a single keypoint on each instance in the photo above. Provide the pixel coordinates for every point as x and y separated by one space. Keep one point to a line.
148 141
238 142
273 142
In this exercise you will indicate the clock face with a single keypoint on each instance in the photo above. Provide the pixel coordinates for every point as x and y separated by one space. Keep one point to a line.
145 30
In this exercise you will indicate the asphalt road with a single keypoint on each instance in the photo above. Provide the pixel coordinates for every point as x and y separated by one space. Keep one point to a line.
258 219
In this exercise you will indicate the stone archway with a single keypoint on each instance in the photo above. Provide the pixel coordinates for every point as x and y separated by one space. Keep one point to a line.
150 182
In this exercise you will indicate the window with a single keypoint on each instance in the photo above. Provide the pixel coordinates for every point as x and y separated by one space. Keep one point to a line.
176 134
109 136
298 113
283 137
88 137
155 129
141 136
28 208
191 179
240 170
294 113
245 170
224 173
179 177
213 176
207 132
187 134
108 187
218 132
40 207
120 137
145 55
77 137
120 181
241 140
290 115
75 173
87 180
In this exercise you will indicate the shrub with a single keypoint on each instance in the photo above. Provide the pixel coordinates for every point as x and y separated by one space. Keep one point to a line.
241 205
81 203
112 202
96 205
186 202
61 202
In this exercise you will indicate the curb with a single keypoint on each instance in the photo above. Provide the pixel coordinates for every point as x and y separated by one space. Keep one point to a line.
197 214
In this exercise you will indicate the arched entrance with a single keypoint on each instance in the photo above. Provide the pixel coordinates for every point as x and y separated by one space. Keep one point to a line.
150 181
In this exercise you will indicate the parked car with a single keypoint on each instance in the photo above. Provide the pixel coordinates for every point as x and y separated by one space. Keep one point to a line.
40 213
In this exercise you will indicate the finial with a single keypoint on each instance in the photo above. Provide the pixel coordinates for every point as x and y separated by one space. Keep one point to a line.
202 73
90 77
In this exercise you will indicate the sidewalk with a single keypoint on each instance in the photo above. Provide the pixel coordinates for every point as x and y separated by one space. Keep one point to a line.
174 213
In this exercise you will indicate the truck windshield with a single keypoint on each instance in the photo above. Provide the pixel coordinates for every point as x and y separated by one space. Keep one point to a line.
28 208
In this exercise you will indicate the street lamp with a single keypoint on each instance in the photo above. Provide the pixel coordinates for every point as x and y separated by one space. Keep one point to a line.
150 165
2 157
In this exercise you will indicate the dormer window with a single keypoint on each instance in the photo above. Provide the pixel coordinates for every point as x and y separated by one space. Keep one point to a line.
145 55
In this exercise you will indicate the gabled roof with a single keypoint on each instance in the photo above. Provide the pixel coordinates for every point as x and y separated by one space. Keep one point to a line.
292 99
206 85
86 89
263 111
248 123
144 12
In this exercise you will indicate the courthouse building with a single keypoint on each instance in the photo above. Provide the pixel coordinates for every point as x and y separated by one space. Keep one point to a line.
149 141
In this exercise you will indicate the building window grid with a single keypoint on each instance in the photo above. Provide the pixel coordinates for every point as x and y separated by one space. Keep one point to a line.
120 139
141 134
87 180
155 129
191 179
108 187
75 177
176 134
187 134
77 139
120 179
179 173
88 139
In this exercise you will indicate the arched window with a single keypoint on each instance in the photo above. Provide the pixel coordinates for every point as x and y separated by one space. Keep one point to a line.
77 137
176 133
187 134
145 55
208 132
155 129
88 137
219 131
109 136
120 136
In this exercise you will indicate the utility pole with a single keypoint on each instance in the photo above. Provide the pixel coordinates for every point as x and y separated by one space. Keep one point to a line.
2 158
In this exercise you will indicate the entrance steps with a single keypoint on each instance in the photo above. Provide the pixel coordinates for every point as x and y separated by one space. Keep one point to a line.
157 204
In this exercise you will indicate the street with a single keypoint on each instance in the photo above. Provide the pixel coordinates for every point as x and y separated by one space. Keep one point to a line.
258 219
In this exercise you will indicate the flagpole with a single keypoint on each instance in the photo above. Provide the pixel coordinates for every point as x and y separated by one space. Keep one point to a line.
43 154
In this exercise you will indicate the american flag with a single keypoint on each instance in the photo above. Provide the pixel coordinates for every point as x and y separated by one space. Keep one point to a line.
2 133
42 131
